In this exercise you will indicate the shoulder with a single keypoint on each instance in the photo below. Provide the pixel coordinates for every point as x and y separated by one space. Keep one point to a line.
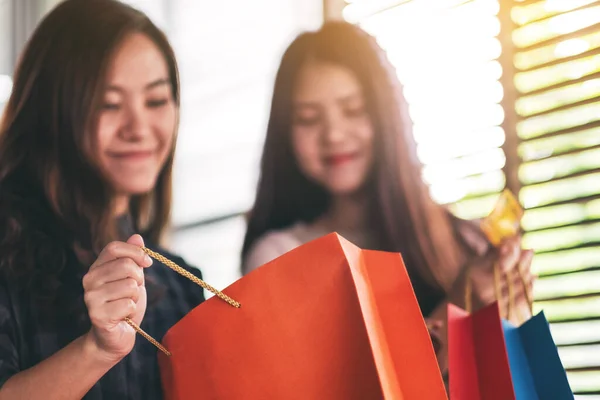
270 246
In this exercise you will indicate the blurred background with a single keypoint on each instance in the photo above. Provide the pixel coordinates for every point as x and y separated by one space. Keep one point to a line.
514 88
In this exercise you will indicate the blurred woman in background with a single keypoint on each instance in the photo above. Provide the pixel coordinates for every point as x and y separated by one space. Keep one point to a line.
340 156
86 152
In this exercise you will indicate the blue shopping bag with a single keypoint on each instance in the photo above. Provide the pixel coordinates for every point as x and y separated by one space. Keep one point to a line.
535 366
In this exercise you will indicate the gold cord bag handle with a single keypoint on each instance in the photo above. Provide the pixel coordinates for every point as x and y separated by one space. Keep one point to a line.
503 222
498 290
193 278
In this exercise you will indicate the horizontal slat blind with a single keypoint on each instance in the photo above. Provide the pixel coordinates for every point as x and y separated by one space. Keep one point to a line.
558 107
452 85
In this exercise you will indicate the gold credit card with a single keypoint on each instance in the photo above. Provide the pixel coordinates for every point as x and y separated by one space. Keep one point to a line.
505 219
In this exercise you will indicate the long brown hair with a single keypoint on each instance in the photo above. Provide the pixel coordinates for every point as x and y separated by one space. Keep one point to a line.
51 187
403 214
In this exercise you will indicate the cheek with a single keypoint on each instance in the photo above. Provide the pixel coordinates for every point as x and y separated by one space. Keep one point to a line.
107 129
365 131
166 124
306 149
366 136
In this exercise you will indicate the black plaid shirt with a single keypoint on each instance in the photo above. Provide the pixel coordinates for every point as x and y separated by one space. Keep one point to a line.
25 341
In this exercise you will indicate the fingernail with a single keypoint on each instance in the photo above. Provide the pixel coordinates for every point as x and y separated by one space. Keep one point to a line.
148 260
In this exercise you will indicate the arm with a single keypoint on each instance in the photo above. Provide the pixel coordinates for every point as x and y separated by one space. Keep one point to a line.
68 374
481 275
113 289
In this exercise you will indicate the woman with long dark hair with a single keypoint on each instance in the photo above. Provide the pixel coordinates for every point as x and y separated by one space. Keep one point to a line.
340 156
86 151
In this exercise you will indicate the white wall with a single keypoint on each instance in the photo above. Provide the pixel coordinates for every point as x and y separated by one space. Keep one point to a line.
18 18
228 52
6 47
6 50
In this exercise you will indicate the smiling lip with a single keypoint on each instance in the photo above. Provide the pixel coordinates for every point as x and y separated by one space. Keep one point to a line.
132 155
339 159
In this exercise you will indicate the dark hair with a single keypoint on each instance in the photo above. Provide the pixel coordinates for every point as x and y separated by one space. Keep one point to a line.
403 214
53 195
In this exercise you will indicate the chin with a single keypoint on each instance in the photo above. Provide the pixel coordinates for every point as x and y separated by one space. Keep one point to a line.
343 190
138 188
140 191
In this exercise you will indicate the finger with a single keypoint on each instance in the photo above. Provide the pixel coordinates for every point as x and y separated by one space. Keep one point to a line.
521 285
116 311
136 240
525 260
516 279
509 258
513 241
111 271
131 249
525 288
124 289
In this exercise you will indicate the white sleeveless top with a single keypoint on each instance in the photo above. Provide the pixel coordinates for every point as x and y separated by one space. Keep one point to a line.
276 243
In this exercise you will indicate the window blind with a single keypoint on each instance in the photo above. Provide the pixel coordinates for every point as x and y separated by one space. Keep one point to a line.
446 53
508 94
557 81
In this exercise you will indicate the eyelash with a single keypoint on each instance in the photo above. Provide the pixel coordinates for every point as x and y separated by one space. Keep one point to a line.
349 113
307 121
156 103
149 104
110 106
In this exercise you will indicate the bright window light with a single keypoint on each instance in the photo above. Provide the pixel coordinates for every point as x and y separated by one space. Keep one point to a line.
446 55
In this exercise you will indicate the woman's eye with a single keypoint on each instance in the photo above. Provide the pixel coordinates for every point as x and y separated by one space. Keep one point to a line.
307 118
355 112
111 106
157 103
306 121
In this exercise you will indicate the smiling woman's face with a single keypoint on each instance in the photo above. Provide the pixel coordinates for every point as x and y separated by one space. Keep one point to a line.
332 133
137 120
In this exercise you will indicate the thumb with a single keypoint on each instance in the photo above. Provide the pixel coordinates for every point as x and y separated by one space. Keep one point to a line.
136 240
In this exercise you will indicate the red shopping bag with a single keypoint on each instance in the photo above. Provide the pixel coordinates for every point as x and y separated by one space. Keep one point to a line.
324 321
477 359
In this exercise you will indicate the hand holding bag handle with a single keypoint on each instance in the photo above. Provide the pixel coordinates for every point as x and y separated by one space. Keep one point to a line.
497 287
193 278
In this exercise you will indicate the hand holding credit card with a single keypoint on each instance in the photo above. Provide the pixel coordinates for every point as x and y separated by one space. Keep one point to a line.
505 219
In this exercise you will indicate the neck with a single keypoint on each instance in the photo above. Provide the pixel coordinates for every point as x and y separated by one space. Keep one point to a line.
347 213
121 205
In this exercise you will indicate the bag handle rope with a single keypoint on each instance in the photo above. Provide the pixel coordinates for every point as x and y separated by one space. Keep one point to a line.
498 291
191 277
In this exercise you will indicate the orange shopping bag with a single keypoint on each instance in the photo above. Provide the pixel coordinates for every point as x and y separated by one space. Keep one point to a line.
324 321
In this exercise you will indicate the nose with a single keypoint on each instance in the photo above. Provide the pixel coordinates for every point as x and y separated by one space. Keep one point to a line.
335 129
136 126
